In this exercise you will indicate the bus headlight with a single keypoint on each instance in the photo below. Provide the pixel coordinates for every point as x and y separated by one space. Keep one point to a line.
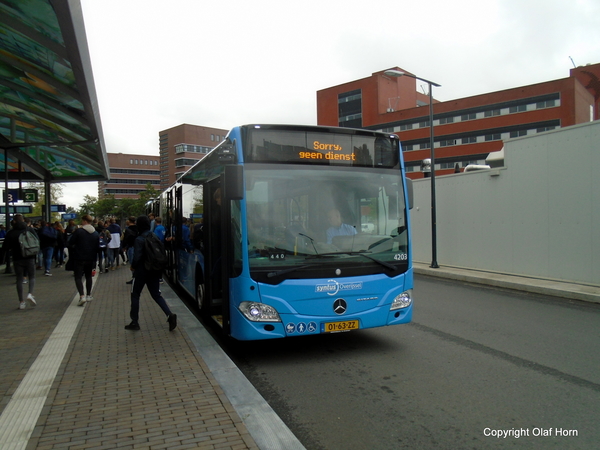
403 300
259 312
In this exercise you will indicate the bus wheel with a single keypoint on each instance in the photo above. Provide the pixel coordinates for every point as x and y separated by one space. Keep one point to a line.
201 297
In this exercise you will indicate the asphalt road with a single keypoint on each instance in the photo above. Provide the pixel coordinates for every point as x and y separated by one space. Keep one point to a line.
478 368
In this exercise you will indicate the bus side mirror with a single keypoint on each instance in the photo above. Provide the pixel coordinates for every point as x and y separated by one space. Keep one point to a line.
234 182
409 191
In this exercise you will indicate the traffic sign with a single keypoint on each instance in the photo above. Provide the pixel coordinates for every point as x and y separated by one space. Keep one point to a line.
10 195
30 195
69 216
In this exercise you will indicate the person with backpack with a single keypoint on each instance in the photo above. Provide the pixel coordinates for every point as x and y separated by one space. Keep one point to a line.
24 252
47 235
83 249
147 269
103 240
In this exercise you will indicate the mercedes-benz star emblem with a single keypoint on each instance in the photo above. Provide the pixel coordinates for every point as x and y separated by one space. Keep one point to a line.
340 306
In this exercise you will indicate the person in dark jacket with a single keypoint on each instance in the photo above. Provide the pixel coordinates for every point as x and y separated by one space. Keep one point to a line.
145 277
22 265
83 248
47 235
59 250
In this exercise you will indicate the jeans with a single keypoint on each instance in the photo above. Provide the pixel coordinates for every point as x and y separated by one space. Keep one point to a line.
113 256
84 268
59 255
150 279
48 252
130 255
24 267
102 255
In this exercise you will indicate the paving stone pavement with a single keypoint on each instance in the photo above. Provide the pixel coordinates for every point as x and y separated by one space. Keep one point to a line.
115 388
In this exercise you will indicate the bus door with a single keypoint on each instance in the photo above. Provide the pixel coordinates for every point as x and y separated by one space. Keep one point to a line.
212 233
168 223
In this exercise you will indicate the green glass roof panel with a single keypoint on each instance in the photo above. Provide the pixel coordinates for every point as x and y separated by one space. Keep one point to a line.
48 107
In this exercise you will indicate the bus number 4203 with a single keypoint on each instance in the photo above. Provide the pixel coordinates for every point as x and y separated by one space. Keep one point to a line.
400 257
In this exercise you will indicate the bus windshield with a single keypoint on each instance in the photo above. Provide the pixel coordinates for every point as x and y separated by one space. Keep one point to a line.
303 219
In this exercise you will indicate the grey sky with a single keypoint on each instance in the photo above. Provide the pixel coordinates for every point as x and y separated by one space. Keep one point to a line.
158 64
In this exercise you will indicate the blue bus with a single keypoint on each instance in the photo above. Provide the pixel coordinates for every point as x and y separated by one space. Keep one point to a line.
289 230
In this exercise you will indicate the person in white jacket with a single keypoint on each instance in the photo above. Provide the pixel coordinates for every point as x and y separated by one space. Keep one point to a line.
114 245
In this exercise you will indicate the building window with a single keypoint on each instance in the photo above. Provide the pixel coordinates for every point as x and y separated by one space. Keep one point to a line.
424 124
541 130
515 134
471 116
546 104
350 109
469 140
493 137
446 120
131 161
491 112
517 109
408 126
448 142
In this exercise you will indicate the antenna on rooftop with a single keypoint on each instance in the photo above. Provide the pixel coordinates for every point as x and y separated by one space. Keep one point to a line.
574 66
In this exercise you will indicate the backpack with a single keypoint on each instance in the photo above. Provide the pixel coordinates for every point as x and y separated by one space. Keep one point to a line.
156 255
29 243
49 232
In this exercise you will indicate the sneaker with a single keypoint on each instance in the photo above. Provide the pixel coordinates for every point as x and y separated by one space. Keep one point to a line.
22 305
48 274
172 319
129 282
81 301
106 271
112 268
134 326
31 300
89 298
160 280
25 281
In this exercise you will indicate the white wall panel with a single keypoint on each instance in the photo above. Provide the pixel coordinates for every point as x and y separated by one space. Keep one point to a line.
540 216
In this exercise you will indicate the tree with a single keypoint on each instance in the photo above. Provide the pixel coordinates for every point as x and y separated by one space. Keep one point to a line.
120 209
56 192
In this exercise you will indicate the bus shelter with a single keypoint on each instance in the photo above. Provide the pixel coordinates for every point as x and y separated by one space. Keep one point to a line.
50 128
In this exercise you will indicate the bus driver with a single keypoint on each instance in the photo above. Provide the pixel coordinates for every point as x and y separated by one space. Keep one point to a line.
338 228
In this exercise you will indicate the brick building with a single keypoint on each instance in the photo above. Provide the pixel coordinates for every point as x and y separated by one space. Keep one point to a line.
467 129
129 175
182 146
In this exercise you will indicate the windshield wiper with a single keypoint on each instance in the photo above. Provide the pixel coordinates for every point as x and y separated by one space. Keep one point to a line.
378 261
284 271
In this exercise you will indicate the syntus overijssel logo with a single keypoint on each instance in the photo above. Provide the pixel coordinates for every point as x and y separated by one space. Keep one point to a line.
333 287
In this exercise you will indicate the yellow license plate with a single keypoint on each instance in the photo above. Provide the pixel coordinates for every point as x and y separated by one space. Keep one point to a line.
336 327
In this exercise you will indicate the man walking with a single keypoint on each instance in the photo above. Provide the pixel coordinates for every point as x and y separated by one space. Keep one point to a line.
22 264
83 248
144 277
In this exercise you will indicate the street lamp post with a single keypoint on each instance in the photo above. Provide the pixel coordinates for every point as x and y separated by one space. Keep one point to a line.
398 73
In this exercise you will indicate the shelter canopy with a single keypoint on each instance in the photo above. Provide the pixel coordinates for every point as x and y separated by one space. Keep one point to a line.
50 126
